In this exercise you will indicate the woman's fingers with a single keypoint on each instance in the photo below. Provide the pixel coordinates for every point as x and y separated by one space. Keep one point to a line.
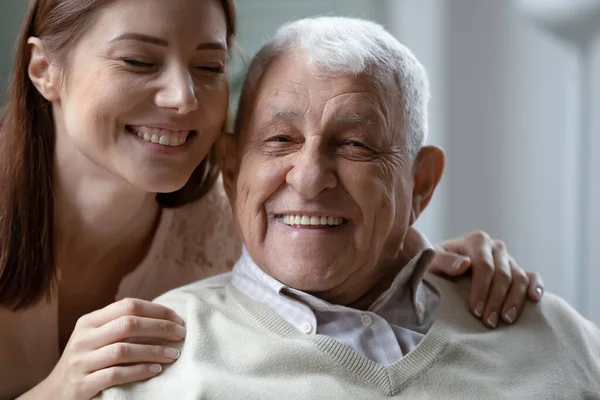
131 327
500 285
102 379
517 295
536 286
103 350
129 353
448 263
128 306
478 247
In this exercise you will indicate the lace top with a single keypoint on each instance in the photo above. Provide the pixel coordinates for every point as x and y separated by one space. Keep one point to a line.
191 243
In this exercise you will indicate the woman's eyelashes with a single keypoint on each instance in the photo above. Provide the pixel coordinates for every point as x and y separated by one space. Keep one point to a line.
213 69
142 65
132 62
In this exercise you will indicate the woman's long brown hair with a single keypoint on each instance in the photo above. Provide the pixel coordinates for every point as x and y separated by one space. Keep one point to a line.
27 269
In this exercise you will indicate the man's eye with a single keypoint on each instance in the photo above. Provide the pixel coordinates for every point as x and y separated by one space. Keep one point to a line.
279 139
354 143
137 63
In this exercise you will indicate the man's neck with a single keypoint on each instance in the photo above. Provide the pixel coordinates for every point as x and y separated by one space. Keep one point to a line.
365 291
370 296
360 292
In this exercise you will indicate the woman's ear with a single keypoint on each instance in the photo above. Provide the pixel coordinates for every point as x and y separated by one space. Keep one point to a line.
42 73
428 169
226 146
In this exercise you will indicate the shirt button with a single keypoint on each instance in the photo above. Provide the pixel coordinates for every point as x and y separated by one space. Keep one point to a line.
307 328
366 320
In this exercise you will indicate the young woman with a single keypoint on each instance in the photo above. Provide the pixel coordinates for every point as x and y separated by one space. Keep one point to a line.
109 198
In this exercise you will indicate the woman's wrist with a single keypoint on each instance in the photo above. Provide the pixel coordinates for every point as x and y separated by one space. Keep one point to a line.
41 391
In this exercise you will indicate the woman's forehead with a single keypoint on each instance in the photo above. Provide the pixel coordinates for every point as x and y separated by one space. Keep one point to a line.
192 22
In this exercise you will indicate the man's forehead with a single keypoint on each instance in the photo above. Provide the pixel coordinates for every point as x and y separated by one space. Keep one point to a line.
292 75
348 112
335 100
291 91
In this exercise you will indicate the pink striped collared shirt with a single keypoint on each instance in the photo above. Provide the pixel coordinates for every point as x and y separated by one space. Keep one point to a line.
392 326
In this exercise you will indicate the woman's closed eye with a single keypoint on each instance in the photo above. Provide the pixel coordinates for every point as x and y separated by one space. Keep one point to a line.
212 69
132 62
140 64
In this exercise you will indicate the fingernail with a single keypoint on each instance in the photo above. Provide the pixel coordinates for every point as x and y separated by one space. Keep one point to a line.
458 263
493 319
154 368
180 331
479 309
172 353
538 293
511 315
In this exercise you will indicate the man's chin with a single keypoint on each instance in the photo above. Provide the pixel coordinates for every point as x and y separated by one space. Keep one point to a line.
309 276
311 251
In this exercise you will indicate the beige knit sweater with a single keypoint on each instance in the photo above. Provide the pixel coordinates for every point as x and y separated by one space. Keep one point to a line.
237 348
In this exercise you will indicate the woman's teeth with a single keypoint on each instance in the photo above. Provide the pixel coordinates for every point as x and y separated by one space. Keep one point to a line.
311 220
163 137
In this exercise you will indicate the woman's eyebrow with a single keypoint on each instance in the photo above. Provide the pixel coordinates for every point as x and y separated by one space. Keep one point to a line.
141 37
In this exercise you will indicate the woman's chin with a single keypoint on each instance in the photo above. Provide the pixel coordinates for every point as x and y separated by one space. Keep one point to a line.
158 187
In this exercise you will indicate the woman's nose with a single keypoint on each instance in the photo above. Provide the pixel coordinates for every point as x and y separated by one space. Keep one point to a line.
178 92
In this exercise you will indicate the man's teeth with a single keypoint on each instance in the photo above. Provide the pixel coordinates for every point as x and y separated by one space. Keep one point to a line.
311 220
162 136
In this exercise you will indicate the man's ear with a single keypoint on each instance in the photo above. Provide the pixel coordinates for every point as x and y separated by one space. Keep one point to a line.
226 146
427 172
42 73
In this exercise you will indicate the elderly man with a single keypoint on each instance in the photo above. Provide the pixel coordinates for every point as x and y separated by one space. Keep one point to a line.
326 173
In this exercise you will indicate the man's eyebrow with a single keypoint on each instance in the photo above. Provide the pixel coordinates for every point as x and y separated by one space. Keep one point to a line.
353 118
286 115
141 37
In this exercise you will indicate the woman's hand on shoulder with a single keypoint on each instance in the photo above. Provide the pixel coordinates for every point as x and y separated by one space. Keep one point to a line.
500 287
109 347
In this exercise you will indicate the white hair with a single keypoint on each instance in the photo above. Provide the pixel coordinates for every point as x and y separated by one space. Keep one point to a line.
339 45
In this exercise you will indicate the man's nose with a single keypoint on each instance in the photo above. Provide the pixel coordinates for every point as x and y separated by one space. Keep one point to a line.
178 92
312 172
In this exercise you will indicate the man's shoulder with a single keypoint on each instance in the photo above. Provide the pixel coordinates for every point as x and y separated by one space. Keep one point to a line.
551 310
568 324
203 293
551 321
216 325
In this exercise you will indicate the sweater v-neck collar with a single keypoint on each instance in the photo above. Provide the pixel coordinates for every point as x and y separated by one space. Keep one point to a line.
390 379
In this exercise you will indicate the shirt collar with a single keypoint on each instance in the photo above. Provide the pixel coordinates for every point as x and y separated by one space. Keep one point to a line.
246 266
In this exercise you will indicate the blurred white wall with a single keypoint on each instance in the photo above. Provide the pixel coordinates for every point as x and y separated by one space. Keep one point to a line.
504 108
405 20
510 129
510 169
593 236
